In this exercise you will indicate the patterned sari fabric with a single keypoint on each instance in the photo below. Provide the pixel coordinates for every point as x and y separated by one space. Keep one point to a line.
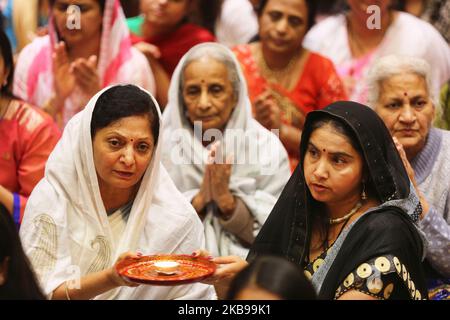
439 290
318 86
118 62
381 252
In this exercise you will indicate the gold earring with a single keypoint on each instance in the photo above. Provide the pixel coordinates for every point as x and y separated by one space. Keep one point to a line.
363 193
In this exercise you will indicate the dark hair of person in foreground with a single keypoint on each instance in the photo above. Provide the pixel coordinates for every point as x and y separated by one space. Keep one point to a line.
17 280
274 275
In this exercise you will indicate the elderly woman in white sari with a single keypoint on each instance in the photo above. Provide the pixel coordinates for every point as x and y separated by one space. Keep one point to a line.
106 197
229 166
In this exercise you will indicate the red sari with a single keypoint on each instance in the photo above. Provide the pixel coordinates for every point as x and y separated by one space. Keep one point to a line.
318 86
28 135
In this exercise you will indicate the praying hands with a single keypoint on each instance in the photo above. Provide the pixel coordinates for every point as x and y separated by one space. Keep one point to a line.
215 185
67 75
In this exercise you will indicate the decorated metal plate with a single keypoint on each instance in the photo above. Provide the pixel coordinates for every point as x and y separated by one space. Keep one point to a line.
166 270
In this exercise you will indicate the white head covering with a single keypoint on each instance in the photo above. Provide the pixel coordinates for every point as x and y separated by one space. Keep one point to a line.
260 167
66 231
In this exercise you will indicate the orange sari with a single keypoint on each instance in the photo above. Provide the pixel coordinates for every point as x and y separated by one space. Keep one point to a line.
318 86
28 136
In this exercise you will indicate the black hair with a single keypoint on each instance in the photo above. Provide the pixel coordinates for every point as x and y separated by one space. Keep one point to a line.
340 128
100 2
347 132
310 4
327 7
206 14
124 101
130 7
8 63
275 275
20 281
342 6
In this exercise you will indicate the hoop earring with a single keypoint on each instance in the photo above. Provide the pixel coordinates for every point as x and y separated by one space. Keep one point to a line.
363 193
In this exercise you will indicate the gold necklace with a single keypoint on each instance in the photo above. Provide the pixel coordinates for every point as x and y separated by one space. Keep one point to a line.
275 74
348 215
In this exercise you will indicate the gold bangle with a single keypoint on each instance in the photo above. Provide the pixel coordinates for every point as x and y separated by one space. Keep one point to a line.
66 289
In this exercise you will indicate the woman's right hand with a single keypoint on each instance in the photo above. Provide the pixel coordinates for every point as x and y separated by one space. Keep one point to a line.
63 77
411 175
149 50
115 276
227 267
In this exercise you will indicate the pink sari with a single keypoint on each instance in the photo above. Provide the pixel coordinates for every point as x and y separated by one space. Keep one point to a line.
118 62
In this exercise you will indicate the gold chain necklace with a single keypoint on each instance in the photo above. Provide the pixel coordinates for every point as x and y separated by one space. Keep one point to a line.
348 215
275 74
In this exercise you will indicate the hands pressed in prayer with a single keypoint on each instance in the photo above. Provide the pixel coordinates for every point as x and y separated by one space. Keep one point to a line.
267 111
215 185
411 175
67 75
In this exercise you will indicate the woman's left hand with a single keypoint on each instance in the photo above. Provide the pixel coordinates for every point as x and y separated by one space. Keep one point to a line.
115 276
86 75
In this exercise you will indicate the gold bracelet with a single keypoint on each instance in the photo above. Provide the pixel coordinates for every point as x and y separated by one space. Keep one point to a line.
66 289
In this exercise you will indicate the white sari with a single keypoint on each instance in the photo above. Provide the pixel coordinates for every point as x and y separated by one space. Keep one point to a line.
66 232
260 168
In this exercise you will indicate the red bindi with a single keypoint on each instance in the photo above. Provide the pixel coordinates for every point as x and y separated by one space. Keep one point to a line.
405 94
